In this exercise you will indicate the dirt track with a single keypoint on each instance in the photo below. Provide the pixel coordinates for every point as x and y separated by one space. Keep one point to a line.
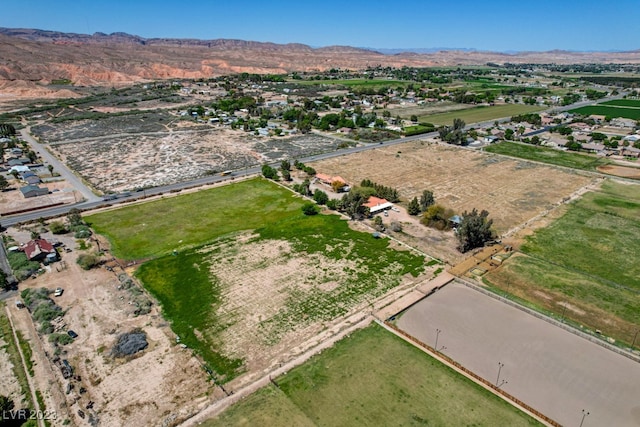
554 371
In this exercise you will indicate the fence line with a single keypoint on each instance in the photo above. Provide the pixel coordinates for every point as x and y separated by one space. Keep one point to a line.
551 320
475 376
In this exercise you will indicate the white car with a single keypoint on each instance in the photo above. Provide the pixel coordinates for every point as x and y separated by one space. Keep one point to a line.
58 292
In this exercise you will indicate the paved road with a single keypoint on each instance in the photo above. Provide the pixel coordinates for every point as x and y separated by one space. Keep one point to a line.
58 166
551 369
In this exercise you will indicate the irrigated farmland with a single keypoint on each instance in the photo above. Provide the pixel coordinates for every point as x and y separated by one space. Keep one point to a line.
245 277
579 267
372 378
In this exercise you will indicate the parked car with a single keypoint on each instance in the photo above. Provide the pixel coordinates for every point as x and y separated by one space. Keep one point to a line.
58 292
72 334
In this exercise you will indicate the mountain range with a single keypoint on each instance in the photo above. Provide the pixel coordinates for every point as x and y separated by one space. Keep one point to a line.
32 58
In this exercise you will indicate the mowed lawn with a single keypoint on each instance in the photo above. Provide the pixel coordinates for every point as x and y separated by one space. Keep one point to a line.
548 155
372 378
479 114
585 259
156 228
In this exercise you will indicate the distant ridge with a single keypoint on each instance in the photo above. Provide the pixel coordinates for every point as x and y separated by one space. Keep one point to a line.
31 58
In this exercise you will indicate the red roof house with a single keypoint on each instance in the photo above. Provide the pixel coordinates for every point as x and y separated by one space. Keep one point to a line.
38 249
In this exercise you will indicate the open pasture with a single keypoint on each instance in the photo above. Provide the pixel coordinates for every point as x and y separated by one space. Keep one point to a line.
595 285
609 110
479 114
372 378
253 277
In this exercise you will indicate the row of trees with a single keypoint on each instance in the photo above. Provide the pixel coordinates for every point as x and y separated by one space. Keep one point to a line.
381 191
416 206
453 134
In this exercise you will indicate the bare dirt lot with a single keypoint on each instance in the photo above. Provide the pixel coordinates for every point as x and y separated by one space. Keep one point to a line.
124 162
161 385
625 172
553 370
512 191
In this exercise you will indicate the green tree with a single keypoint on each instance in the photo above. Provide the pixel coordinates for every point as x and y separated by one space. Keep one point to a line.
269 172
426 200
285 165
286 175
310 209
6 404
50 167
414 207
3 183
74 217
320 197
377 223
508 134
414 118
4 284
474 230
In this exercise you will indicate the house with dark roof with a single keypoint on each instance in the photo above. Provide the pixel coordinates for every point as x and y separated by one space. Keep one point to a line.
33 191
32 180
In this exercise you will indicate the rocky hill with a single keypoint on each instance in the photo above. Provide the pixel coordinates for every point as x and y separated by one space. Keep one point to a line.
31 58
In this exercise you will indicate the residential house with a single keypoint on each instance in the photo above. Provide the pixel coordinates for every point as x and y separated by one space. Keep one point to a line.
376 204
32 180
33 191
37 250
623 123
593 147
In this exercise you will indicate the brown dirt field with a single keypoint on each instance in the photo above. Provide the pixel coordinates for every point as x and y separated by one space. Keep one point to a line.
162 384
512 191
623 171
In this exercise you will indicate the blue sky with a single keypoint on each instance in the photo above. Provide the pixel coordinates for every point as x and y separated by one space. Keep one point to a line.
515 25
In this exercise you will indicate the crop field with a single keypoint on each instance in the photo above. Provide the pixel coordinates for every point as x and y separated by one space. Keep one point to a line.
512 191
479 114
245 277
596 285
548 155
635 103
609 110
372 378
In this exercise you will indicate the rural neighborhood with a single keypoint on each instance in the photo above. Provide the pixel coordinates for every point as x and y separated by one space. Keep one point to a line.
189 247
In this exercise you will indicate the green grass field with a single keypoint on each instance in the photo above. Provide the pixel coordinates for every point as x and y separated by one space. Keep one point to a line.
480 114
372 378
548 155
634 103
190 289
583 259
609 110
159 227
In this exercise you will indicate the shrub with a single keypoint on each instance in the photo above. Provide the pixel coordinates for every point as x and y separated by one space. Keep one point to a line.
62 339
58 227
310 209
395 226
88 261
320 197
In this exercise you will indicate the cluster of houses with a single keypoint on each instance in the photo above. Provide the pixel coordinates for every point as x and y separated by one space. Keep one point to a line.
22 168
